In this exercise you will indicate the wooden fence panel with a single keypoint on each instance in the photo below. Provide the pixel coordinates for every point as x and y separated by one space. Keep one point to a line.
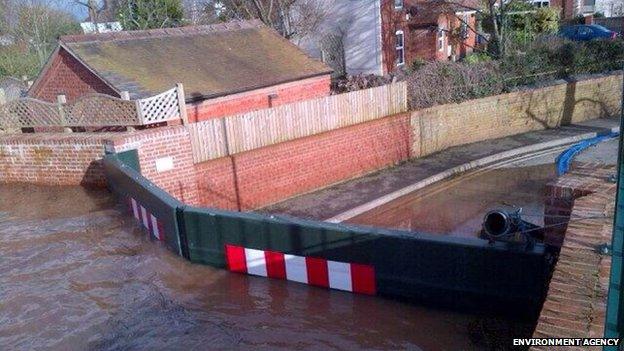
265 127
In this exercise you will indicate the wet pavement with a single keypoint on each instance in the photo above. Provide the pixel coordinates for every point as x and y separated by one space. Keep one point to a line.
336 200
77 274
456 207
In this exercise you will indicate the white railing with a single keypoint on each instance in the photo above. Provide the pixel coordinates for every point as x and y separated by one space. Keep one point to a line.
220 137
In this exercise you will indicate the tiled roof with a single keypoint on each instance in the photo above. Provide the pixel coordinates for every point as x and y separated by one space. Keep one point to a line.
210 61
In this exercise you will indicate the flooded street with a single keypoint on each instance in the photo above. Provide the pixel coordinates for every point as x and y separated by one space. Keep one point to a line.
77 274
456 206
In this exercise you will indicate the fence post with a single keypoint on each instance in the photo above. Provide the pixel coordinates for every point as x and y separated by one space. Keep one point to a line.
125 95
182 103
61 100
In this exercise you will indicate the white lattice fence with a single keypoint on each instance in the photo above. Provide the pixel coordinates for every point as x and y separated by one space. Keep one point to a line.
265 127
160 108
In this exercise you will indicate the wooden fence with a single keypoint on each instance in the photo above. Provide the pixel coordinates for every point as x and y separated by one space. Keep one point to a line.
229 135
94 110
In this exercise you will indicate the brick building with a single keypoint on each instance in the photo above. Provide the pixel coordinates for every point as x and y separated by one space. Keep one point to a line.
426 30
377 36
226 68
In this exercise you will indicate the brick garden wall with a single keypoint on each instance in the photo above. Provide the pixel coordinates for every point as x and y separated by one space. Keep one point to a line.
170 145
305 89
440 127
274 173
56 159
575 306
267 175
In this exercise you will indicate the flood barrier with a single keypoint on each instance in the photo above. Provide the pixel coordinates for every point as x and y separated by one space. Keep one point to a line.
564 160
458 272
151 206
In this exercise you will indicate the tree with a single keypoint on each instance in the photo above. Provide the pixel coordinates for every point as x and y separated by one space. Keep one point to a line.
39 27
147 14
503 19
34 27
291 18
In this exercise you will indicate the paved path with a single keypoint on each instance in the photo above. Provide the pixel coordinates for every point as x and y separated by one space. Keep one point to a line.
335 200
603 153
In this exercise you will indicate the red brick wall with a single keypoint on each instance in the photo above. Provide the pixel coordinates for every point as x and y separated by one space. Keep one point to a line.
274 173
160 143
258 99
67 76
53 159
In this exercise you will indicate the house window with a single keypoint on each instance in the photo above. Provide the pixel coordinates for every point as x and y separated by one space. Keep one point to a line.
463 30
398 4
541 3
399 48
441 39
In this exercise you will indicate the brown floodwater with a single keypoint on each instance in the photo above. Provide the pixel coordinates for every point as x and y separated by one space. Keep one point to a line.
457 206
77 274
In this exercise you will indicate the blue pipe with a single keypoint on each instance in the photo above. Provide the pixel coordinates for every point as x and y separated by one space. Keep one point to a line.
565 158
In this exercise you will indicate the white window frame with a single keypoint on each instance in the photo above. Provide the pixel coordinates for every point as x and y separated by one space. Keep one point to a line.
400 47
400 5
441 40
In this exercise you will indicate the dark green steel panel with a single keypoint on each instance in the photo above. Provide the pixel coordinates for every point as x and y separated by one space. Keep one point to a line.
127 182
464 272
614 319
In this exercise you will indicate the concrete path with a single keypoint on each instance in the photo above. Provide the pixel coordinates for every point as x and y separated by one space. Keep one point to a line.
346 199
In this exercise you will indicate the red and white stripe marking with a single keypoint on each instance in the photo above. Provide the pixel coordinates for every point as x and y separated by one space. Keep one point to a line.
357 278
147 220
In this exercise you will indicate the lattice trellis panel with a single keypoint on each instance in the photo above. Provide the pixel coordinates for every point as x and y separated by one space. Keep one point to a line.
159 108
29 112
101 110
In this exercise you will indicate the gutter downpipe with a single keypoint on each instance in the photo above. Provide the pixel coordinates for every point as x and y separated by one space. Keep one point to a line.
614 318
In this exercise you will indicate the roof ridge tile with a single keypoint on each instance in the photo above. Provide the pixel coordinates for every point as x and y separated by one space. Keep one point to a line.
161 32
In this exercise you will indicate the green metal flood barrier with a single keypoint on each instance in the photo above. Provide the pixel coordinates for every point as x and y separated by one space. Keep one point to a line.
461 273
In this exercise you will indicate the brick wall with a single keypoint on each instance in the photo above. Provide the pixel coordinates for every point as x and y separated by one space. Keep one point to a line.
54 159
67 76
576 302
170 146
274 173
271 174
444 126
257 99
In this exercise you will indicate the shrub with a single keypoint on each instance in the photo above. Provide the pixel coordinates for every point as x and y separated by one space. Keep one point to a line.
477 57
445 82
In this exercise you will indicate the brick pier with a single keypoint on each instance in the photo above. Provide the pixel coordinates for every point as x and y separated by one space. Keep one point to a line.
577 296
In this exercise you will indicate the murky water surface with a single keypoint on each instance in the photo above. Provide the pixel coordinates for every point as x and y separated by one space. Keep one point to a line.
457 206
77 274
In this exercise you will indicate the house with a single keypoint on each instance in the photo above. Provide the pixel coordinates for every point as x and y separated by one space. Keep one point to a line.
377 36
226 68
428 30
12 89
101 21
570 9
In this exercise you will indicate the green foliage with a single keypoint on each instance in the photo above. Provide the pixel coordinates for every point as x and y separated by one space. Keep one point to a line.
417 64
34 28
545 59
147 14
546 20
526 27
477 57
16 61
